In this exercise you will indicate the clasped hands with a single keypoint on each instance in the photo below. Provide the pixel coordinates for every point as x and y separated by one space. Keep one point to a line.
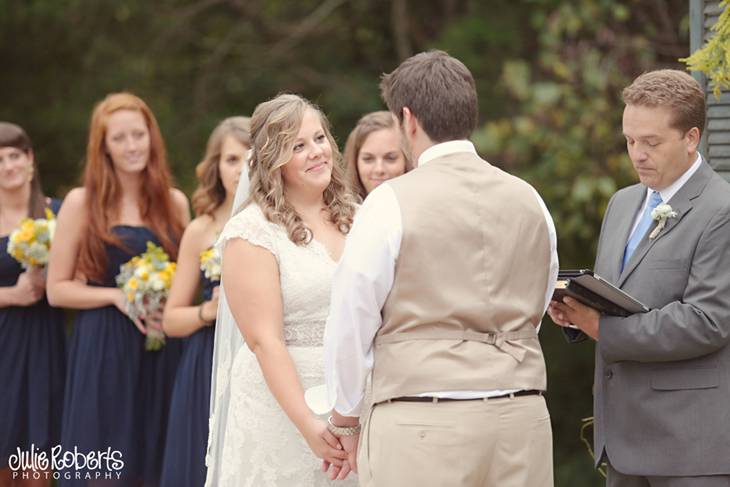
338 453
573 312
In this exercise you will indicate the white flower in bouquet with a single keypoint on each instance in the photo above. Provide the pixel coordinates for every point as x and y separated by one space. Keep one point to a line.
30 243
210 263
146 280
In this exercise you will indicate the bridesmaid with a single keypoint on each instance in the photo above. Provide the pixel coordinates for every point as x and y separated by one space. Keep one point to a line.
117 394
187 432
32 356
374 153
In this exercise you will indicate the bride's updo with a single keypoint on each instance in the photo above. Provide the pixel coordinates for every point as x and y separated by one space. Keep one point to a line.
274 128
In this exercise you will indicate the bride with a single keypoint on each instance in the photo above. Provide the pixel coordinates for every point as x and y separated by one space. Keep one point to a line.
279 253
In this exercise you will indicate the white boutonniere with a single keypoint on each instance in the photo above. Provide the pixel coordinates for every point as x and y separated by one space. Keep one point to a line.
661 214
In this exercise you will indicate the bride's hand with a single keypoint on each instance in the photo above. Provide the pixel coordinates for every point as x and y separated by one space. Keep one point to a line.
324 444
337 473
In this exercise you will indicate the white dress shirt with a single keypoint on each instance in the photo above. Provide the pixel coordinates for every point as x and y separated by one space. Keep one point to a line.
668 192
361 284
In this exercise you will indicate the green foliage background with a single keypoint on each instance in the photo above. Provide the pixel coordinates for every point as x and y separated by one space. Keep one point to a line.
549 76
713 58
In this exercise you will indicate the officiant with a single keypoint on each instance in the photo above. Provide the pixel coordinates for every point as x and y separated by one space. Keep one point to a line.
662 385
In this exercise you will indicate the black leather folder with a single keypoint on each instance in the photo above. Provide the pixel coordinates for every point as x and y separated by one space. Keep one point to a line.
596 292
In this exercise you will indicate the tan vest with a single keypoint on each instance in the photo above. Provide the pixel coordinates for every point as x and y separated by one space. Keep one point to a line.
469 286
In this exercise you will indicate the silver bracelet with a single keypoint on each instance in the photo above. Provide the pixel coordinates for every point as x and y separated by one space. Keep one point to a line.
342 430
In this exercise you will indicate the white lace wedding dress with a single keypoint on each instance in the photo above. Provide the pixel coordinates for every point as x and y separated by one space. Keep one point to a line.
252 442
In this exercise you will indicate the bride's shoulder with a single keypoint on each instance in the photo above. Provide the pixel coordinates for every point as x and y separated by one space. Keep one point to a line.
250 224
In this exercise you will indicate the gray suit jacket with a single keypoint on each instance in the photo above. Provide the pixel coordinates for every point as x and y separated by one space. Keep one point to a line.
662 379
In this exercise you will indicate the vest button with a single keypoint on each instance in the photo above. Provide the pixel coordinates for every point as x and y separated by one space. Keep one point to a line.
609 374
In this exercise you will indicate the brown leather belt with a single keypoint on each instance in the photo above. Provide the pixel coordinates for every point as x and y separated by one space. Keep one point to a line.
531 392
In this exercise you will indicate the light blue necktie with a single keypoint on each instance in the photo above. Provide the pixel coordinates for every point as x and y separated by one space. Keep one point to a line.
654 200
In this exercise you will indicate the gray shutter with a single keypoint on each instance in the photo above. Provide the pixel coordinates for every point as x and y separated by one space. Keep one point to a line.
716 139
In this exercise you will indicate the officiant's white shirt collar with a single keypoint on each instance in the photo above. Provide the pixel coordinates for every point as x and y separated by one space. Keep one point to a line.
669 192
445 149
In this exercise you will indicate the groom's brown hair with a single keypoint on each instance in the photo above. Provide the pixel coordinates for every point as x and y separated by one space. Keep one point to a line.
440 92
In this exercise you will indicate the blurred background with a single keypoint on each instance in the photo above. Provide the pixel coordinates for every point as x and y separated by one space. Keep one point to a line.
549 75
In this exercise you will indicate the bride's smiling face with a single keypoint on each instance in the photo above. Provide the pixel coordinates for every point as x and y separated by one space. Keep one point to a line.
310 167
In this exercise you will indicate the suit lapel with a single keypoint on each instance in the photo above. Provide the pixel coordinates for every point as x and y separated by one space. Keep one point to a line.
681 202
625 210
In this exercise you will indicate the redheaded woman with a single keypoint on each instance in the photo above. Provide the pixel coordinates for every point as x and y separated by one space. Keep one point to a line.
117 394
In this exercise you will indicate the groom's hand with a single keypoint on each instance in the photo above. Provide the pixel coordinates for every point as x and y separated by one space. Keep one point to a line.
323 443
340 470
334 472
349 443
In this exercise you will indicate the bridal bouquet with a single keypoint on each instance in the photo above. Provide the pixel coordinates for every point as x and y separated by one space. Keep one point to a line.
30 243
146 281
210 263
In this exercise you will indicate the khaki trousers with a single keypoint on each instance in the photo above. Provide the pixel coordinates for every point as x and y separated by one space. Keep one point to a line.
491 443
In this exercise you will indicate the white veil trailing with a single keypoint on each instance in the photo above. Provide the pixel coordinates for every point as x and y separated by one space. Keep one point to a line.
228 341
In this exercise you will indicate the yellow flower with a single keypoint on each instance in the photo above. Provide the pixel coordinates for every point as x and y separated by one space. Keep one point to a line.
206 255
27 225
132 283
26 235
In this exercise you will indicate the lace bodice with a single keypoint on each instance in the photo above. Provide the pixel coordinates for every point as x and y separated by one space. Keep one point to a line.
305 273
252 443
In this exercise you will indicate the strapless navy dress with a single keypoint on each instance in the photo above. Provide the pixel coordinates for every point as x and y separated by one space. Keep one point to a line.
187 432
117 394
32 368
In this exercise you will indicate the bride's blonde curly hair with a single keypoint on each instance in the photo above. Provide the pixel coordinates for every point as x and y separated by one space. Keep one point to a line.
274 128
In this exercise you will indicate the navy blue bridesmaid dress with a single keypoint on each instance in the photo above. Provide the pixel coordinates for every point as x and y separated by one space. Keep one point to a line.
117 394
187 432
32 365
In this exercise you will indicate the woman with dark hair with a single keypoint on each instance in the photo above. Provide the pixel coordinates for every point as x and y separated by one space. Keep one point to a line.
117 395
187 432
32 356
375 152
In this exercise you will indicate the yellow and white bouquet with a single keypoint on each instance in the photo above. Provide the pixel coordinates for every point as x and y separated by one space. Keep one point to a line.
146 280
210 263
30 243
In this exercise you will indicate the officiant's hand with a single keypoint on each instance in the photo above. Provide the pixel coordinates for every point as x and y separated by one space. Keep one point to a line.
324 444
572 311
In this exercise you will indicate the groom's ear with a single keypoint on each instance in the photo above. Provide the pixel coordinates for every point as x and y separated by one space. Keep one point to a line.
409 121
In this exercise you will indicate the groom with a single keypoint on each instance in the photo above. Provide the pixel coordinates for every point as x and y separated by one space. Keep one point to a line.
445 276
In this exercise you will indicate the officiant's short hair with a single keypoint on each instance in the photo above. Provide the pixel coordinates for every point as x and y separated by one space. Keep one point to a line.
440 92
672 89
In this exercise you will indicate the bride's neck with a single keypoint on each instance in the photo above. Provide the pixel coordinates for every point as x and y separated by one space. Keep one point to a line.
308 205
